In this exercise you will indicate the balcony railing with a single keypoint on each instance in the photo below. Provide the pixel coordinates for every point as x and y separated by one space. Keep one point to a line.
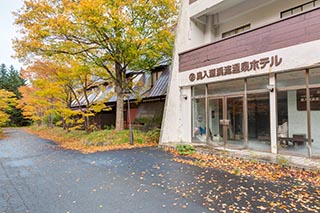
297 29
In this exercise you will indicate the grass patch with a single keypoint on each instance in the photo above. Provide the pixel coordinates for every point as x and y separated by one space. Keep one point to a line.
102 140
185 149
116 138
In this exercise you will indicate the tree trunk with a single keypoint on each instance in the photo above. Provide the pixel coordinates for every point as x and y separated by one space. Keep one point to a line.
120 96
86 124
50 121
64 124
119 112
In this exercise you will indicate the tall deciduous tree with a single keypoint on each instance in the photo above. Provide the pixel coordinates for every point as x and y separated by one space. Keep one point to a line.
44 95
52 88
115 35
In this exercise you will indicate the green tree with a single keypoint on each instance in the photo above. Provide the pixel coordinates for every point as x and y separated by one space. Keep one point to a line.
115 35
10 80
3 73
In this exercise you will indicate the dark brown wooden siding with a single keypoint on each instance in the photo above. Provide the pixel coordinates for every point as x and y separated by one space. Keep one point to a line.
292 31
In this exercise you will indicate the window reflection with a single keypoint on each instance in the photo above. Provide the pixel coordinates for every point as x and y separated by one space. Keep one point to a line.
199 120
259 121
235 86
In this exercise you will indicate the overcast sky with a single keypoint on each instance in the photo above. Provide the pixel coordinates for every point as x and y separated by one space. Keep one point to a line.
8 32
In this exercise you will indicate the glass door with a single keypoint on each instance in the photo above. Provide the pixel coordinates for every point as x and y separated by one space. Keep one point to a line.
225 116
215 114
234 117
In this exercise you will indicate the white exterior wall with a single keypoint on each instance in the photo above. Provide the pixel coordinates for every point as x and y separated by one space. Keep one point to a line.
177 111
257 13
176 126
186 110
260 16
196 35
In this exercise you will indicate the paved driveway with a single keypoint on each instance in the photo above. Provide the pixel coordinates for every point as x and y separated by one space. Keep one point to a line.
38 176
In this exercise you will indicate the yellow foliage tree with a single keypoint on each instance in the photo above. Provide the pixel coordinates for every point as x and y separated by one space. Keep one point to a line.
115 35
7 102
44 96
52 89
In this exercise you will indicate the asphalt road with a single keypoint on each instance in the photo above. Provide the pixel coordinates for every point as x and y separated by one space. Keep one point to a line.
38 176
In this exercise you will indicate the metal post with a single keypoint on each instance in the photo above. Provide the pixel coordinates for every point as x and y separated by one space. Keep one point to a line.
225 121
207 114
245 115
308 114
129 121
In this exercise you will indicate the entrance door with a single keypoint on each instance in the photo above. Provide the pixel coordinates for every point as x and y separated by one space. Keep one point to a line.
215 114
226 121
235 133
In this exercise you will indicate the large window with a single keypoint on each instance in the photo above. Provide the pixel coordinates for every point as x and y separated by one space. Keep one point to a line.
291 79
199 120
236 113
199 90
215 115
259 121
235 118
258 83
226 87
315 110
299 112
300 8
155 77
236 31
228 121
258 113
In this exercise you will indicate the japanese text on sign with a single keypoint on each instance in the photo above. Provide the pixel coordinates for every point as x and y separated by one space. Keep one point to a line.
245 66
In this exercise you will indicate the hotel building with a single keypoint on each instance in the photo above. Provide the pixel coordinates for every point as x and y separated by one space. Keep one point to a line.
246 75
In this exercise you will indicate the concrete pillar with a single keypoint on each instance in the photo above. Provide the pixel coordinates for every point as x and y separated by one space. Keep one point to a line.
273 113
185 106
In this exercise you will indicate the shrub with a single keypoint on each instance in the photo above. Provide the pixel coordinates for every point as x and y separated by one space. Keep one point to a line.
109 127
236 171
51 119
153 135
282 161
185 149
149 123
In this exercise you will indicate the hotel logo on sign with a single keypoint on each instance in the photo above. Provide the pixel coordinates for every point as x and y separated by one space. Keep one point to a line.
245 66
